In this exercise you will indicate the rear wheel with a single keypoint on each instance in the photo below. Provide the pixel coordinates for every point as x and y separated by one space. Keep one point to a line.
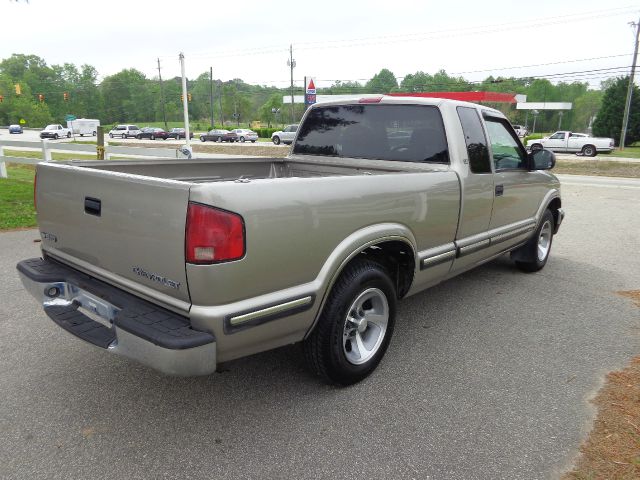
355 326
276 140
68 134
589 151
95 133
55 136
202 139
242 139
533 255
139 137
152 137
535 147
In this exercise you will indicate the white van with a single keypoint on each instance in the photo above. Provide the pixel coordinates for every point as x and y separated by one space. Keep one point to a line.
84 126
124 131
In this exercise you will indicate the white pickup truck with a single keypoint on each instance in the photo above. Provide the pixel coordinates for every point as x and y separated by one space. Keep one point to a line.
574 143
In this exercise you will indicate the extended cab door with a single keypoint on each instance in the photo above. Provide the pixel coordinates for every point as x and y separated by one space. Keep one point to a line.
518 191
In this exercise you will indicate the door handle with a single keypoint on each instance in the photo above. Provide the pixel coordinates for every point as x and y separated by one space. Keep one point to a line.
499 190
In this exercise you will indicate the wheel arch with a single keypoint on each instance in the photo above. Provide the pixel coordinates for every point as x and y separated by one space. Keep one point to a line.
391 245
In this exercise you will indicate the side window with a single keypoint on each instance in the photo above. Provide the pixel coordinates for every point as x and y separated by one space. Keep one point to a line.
476 142
508 154
557 136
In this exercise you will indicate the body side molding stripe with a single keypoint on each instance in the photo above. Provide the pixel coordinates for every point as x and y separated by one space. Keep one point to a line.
253 318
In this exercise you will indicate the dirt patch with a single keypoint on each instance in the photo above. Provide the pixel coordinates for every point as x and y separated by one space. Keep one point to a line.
598 168
634 295
612 450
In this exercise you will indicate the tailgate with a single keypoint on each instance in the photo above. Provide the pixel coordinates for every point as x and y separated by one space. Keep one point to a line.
127 229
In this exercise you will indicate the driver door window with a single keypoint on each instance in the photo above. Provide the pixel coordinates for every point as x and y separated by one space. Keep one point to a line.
507 151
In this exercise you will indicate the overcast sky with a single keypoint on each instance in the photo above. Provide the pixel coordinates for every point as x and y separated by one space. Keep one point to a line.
346 40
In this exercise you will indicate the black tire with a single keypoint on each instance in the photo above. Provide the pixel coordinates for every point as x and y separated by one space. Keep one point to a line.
242 139
327 346
253 141
82 134
55 136
276 140
589 151
95 134
219 140
68 134
152 137
111 135
139 137
535 147
529 257
202 139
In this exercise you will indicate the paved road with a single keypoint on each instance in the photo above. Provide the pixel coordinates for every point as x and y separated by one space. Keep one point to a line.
488 376
33 136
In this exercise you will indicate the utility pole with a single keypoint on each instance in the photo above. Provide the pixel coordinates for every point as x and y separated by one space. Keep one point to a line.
164 113
627 105
185 104
220 100
211 95
291 63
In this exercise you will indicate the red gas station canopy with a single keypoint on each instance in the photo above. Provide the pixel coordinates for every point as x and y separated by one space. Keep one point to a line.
493 97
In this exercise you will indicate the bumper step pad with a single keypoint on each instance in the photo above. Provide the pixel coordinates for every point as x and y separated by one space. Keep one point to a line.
136 316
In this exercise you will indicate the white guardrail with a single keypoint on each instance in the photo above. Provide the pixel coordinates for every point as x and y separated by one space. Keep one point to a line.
48 147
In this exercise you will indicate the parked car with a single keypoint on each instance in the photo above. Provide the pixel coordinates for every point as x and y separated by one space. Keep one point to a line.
245 134
55 131
224 259
15 129
178 133
219 136
521 130
285 135
573 143
152 133
124 131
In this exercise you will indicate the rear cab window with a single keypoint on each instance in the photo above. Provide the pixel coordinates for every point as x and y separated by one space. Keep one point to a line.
475 139
408 133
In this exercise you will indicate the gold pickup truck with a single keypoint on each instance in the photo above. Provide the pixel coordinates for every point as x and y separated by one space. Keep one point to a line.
182 264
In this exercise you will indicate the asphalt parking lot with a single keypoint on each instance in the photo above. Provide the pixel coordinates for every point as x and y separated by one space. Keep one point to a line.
488 376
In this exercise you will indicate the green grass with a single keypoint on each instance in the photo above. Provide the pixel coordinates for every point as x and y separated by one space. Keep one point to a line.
16 198
54 155
628 152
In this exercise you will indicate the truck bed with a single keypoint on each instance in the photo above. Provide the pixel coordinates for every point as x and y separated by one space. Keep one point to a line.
223 170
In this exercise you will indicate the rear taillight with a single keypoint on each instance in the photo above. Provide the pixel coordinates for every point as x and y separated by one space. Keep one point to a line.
213 235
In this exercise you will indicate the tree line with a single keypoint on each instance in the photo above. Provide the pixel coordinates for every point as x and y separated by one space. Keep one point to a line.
49 92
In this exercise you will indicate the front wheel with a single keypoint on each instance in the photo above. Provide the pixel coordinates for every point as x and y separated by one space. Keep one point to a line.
533 255
55 136
111 135
242 139
202 139
355 326
68 134
276 140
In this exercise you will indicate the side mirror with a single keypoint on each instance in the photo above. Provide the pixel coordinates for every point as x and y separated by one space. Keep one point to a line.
542 160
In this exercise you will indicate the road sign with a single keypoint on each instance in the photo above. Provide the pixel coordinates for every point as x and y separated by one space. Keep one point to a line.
70 118
22 121
310 93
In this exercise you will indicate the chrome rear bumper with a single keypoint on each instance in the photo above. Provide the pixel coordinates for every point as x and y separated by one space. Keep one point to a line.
117 321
